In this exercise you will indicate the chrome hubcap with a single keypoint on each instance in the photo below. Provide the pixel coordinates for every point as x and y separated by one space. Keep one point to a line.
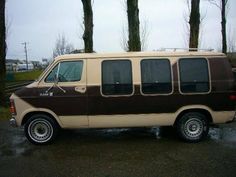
40 130
193 127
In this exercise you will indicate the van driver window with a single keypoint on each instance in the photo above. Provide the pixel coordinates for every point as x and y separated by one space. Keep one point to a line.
69 71
117 77
194 75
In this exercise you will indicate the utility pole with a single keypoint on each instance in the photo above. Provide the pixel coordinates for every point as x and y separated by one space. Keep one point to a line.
26 55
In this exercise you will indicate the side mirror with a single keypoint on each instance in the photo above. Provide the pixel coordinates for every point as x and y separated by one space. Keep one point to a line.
56 79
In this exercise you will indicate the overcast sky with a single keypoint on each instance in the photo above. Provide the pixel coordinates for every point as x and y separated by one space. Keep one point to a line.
40 22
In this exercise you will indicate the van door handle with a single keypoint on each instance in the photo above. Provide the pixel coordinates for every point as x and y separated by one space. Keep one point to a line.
81 89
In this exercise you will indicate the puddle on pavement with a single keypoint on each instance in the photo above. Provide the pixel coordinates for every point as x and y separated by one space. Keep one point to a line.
223 134
18 139
17 144
156 131
115 131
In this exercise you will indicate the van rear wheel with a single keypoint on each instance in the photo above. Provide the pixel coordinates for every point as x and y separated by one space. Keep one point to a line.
192 127
40 129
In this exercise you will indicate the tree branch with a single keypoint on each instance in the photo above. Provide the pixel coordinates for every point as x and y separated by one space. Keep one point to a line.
215 3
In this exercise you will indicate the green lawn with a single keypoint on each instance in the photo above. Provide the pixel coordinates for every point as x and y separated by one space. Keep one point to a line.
4 113
28 75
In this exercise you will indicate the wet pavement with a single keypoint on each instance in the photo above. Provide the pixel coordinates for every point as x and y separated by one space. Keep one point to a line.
118 152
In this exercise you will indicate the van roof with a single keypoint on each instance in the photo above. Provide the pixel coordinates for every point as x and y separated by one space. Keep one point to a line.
137 54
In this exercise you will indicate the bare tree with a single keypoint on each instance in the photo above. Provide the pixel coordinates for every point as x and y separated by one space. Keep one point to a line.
8 27
194 23
124 38
88 26
222 5
62 46
3 47
187 27
134 42
144 36
231 40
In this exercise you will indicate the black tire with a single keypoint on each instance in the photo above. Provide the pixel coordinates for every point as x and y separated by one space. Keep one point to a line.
192 127
40 129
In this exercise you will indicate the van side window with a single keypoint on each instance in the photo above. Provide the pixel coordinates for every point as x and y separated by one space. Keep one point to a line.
194 75
117 77
68 71
156 76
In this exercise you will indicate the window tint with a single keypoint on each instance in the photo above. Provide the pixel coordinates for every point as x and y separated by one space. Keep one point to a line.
156 76
117 77
69 71
194 75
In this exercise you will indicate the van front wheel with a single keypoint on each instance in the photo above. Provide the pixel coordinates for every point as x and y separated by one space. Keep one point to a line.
40 129
192 127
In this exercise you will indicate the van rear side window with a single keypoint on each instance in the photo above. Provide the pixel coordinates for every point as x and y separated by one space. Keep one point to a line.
194 75
156 76
68 71
117 77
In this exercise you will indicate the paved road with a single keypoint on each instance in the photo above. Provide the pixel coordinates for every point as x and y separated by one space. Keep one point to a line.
118 152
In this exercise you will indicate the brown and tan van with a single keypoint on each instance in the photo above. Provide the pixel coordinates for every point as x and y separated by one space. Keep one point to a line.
187 90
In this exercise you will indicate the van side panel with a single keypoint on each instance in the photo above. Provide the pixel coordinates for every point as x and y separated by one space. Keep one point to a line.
69 103
217 100
139 104
222 85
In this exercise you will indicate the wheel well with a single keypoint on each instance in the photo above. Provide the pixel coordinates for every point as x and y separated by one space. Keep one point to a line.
203 111
28 115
